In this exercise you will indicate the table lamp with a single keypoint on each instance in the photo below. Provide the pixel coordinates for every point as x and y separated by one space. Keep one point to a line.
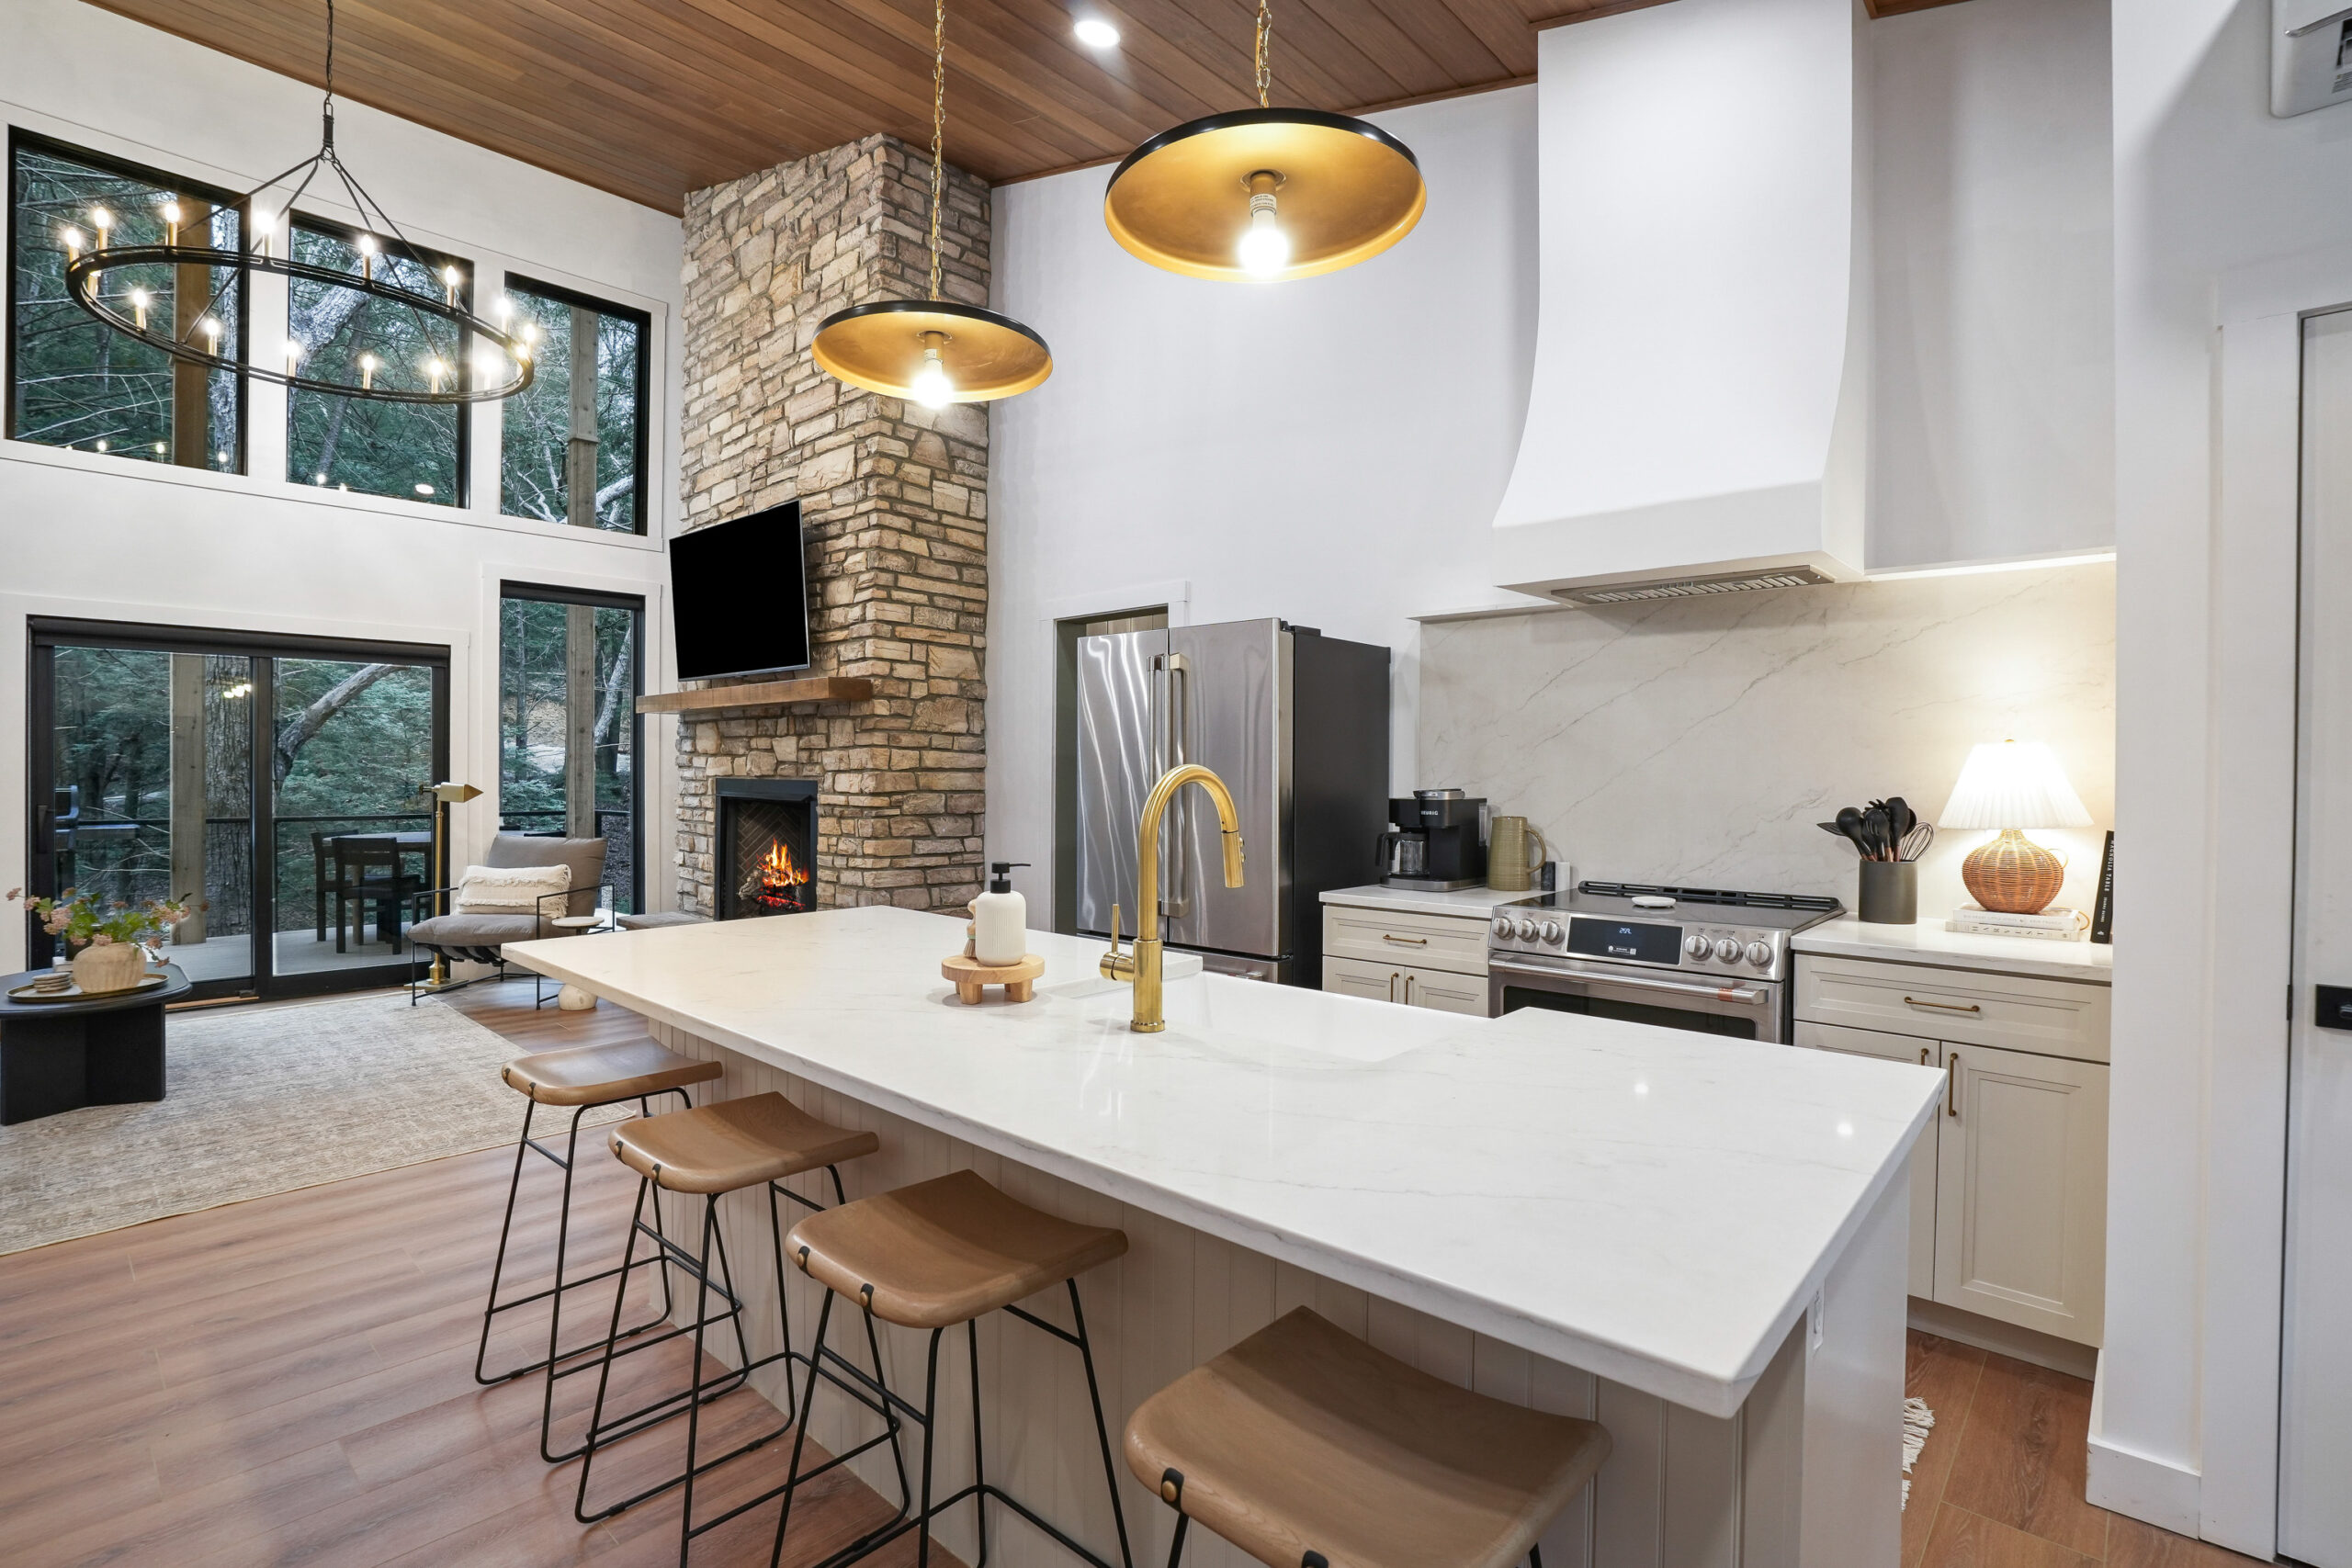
2013 785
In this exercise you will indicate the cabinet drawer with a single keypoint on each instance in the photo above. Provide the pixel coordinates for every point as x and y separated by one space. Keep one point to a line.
2059 1018
1425 941
1921 1276
1438 989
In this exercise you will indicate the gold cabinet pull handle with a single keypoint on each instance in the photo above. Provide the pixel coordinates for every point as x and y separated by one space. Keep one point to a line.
1947 1006
1404 941
1926 1051
1951 1085
1408 990
1392 985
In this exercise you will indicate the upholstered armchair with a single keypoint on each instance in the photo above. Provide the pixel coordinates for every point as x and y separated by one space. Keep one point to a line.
482 938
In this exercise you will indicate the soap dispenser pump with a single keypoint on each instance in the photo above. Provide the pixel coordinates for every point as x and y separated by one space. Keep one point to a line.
1000 918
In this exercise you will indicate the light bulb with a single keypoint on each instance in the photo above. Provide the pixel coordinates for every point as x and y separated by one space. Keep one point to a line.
171 212
102 443
424 489
1096 33
102 220
293 356
210 327
1264 249
139 297
71 239
369 365
932 386
367 243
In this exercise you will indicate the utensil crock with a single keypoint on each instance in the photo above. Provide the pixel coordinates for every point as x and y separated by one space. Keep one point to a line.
1890 893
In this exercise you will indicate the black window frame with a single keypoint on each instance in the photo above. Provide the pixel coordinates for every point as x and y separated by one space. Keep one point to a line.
434 261
640 510
19 137
636 604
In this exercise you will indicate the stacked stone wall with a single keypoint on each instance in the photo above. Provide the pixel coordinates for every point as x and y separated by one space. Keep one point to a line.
893 509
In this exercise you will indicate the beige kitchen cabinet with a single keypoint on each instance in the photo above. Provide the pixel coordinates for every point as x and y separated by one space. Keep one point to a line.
1406 986
2021 1190
1407 957
2016 1228
1921 1276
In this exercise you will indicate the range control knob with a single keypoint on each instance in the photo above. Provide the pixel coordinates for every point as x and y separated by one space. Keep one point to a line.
1551 932
1726 951
1696 947
1527 930
1503 928
1759 953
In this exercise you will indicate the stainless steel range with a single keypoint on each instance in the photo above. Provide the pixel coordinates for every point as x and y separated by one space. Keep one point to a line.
1696 958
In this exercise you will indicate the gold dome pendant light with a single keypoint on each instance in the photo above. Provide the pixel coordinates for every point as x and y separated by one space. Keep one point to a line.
933 351
1265 194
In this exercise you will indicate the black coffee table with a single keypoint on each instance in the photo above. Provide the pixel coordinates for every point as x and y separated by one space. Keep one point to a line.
62 1055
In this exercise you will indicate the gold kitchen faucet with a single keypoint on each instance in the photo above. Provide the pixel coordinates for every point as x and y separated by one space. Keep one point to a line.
1142 964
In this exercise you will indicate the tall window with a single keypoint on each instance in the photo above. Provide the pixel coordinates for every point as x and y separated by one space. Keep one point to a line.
415 451
74 381
570 669
574 443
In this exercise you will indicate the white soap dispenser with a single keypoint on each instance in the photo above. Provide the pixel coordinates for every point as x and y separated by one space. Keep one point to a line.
1000 918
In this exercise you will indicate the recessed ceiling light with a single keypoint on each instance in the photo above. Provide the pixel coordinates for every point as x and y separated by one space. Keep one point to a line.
1096 33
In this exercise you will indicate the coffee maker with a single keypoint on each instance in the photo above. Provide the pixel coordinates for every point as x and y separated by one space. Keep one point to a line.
1436 842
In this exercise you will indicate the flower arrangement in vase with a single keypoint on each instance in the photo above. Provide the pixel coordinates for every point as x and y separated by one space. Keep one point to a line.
106 940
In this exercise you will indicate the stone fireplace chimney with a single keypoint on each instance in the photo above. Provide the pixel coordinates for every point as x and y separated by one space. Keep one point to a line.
893 500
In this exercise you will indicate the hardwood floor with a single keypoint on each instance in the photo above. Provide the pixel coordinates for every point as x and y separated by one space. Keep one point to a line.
1999 1484
290 1381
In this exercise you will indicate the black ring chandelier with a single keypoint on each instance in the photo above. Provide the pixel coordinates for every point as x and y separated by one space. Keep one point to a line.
447 378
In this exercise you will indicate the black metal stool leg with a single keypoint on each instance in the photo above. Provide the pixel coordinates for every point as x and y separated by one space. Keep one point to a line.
1536 1557
505 1230
605 1366
1176 1549
1102 1429
930 1442
800 1431
980 1470
694 1394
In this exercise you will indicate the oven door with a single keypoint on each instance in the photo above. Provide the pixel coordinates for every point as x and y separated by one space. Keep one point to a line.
1743 1010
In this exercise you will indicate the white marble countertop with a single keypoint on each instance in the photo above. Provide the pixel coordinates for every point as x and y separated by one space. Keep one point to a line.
1929 942
1655 1206
1463 901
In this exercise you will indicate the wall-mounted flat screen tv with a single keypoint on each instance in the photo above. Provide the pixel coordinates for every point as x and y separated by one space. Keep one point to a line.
738 596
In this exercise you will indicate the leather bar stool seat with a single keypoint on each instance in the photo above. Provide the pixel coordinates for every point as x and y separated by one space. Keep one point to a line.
1304 1444
946 1251
603 1075
734 1144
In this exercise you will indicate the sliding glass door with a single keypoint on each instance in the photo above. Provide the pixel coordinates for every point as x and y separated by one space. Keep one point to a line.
570 670
274 782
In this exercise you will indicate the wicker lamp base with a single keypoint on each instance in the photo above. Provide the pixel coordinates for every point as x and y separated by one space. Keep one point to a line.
2013 874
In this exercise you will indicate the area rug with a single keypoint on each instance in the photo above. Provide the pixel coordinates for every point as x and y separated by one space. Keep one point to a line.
1917 1421
265 1099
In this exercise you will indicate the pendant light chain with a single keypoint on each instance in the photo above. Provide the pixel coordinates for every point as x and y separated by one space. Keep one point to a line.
938 127
1265 41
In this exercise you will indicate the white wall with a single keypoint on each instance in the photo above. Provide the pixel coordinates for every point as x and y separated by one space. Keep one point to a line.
2227 222
1329 450
1992 425
89 535
1333 450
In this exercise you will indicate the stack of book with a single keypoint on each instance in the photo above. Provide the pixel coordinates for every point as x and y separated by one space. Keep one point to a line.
2053 924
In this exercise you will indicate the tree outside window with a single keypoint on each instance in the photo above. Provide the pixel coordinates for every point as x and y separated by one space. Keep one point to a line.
414 451
75 381
574 450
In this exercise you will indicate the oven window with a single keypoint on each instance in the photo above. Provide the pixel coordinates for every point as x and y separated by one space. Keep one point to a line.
1517 997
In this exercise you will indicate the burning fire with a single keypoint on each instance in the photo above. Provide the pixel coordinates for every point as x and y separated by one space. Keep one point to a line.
776 882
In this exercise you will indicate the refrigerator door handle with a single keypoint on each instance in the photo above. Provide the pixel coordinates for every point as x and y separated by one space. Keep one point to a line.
1176 903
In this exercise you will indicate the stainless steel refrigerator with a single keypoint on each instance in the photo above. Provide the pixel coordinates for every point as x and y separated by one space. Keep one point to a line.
1295 724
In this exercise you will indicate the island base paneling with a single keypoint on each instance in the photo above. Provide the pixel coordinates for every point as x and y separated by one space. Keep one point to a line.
1680 1490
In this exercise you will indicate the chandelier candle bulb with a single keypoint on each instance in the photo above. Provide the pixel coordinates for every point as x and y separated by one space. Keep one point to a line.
263 224
450 279
368 364
210 327
293 356
367 257
171 222
436 369
71 240
101 220
139 297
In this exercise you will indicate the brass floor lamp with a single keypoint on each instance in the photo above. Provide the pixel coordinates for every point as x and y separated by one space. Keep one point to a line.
445 795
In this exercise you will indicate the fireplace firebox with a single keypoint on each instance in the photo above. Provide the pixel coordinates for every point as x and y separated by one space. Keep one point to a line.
767 848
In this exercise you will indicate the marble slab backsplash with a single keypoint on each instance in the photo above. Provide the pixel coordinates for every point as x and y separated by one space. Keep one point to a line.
1698 741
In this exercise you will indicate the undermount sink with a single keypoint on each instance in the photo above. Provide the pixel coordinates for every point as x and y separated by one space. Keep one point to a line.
1238 1014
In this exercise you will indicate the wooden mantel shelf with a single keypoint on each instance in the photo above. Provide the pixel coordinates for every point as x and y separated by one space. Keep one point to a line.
760 694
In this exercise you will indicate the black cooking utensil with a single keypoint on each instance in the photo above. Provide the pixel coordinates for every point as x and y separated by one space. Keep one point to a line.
1849 822
1875 824
1905 818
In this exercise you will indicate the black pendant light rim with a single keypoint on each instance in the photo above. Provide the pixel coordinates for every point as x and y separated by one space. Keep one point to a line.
91 265
1234 118
933 307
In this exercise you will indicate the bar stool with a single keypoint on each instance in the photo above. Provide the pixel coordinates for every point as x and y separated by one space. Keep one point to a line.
583 1078
1306 1447
933 1256
707 1152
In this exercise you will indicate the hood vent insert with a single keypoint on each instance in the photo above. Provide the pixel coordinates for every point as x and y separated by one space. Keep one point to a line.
1694 587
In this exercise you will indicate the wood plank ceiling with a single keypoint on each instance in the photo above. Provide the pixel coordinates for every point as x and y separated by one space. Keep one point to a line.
651 98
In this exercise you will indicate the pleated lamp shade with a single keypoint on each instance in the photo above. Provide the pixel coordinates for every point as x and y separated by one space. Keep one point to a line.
2013 783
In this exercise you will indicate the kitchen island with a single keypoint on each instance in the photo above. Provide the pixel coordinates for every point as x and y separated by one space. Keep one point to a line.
1698 1241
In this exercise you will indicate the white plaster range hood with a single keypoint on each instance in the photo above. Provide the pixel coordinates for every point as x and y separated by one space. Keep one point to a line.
1697 417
